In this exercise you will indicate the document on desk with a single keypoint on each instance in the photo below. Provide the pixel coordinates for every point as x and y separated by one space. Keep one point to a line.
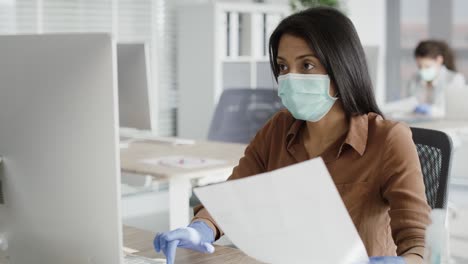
290 215
184 162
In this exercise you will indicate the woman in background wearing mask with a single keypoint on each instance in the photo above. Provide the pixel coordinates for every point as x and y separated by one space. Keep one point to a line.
437 76
324 83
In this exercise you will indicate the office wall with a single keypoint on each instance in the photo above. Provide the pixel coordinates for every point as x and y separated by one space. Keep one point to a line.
369 18
249 1
184 2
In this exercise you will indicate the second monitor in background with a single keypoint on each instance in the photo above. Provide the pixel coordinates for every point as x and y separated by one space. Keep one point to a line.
134 84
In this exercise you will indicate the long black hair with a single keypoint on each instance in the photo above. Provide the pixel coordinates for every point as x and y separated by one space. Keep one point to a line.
434 48
333 38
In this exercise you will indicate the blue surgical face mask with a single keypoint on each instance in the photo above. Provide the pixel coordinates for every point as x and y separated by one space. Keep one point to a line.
428 74
306 96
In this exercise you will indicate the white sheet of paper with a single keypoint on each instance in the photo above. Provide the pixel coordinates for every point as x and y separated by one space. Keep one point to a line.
291 215
127 250
184 162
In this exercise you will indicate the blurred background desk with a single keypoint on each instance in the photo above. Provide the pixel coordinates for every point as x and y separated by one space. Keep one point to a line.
180 179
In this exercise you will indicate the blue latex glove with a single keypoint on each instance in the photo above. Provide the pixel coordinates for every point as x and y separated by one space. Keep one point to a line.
197 236
424 109
387 260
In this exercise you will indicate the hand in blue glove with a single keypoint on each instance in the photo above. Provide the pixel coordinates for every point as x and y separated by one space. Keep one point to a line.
197 236
387 260
424 109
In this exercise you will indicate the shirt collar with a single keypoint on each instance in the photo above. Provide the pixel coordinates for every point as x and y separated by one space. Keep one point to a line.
356 137
358 132
292 137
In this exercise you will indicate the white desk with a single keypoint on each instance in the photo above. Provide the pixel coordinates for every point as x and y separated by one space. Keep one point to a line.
142 242
445 125
179 178
458 130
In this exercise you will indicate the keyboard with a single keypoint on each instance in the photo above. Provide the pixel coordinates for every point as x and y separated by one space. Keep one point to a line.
133 259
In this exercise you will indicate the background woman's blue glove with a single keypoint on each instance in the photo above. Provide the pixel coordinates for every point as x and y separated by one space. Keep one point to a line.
424 109
197 236
386 260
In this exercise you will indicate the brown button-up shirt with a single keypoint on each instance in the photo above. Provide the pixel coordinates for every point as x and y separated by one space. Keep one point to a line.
375 167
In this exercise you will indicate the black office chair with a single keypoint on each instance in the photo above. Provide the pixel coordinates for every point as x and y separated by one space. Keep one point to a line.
435 153
240 113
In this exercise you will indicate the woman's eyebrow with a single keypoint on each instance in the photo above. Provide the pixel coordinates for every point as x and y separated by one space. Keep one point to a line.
298 57
305 55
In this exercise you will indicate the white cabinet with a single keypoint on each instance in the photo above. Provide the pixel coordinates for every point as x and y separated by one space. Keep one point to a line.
220 46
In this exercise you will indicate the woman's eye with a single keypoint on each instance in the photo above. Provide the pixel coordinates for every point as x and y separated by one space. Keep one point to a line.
308 66
282 67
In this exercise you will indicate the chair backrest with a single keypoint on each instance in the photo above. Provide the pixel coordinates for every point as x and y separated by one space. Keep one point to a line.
435 152
240 113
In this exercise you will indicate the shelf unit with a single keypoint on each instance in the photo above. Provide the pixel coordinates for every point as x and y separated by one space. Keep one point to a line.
221 46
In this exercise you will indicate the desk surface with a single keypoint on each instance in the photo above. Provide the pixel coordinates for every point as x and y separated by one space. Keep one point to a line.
131 157
143 242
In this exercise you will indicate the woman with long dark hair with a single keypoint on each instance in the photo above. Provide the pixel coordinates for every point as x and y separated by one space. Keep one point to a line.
319 63
437 75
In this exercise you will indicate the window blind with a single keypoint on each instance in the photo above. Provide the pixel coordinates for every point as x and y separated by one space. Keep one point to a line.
149 21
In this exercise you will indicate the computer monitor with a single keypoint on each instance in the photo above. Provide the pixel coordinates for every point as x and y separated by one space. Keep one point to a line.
59 145
134 96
